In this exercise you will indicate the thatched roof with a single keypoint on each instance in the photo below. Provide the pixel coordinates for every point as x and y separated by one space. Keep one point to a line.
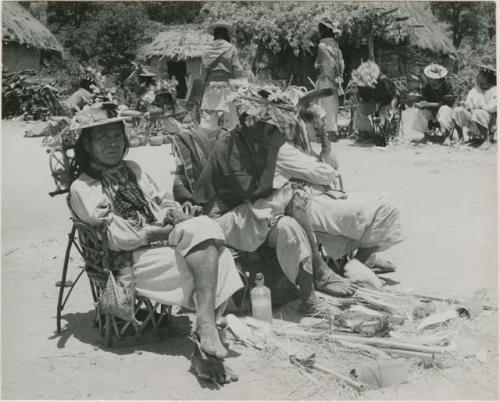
431 35
180 43
19 26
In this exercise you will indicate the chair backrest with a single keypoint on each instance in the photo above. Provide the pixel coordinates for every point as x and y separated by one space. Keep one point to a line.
93 241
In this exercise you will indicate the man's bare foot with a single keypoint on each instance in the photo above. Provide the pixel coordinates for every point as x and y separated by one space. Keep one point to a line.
329 282
210 341
209 368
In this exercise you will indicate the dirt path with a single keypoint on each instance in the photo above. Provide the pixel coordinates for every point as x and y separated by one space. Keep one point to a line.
448 201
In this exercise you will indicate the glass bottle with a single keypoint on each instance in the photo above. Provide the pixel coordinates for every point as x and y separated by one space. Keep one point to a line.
261 300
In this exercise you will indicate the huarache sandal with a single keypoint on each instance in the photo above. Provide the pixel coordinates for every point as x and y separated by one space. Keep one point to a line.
208 367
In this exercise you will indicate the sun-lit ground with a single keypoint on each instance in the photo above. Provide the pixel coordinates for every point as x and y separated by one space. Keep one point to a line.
448 200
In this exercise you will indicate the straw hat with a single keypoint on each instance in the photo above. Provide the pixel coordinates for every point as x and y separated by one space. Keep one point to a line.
435 71
327 22
100 114
366 75
221 24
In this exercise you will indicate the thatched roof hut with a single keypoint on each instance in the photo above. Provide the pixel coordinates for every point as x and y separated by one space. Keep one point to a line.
177 52
430 34
25 39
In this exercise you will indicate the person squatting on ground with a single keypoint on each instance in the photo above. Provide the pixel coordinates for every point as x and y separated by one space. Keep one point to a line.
378 97
221 69
361 223
193 269
476 113
236 188
330 63
437 103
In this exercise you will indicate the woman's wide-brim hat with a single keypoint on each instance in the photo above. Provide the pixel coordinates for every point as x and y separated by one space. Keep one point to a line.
221 24
101 114
327 22
435 71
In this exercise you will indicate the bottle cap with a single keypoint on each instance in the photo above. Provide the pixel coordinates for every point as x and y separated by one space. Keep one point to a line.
259 277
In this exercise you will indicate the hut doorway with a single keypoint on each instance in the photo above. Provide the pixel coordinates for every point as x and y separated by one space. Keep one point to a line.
178 69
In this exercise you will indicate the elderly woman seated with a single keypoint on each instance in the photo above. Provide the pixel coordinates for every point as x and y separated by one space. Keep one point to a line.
476 113
193 269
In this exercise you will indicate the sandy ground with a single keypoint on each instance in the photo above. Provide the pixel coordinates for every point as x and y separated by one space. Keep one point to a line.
448 201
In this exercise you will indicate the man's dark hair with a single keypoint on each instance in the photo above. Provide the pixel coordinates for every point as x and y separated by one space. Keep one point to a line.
325 32
82 157
222 33
490 76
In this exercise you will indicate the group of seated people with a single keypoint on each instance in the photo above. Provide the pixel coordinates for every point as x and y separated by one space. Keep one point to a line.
438 117
260 183
439 113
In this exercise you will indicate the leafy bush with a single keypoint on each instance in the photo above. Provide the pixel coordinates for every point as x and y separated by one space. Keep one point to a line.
107 34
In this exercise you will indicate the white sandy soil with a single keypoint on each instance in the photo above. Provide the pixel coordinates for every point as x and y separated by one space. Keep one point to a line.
448 199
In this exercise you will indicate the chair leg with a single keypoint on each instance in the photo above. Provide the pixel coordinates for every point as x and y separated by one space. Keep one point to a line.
60 305
108 335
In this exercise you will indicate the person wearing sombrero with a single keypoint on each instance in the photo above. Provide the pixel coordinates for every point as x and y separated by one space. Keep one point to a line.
436 103
221 68
330 63
171 257
476 113
377 97
237 188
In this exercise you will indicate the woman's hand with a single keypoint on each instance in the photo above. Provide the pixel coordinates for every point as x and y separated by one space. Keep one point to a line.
158 233
175 216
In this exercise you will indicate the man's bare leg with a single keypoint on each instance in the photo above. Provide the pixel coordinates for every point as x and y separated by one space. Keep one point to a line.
324 278
203 262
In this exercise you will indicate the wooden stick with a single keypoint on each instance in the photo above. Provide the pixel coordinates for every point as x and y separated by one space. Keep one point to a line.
390 344
408 353
367 348
356 384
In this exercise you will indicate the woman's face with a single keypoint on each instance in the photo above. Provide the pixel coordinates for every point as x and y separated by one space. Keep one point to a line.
106 144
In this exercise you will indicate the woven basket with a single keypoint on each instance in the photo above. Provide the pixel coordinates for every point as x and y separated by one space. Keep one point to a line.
142 139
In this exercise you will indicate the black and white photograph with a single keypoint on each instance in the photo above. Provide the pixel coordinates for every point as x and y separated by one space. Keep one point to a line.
249 200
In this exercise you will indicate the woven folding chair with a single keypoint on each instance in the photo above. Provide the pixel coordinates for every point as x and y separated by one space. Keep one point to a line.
92 244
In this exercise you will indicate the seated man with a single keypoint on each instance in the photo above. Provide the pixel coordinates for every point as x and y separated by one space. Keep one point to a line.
83 96
378 97
436 105
362 223
236 188
193 270
480 105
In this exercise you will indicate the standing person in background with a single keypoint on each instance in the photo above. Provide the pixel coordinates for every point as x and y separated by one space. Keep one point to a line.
221 68
436 105
330 63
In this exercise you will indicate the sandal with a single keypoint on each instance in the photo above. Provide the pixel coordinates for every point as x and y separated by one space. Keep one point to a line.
208 367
